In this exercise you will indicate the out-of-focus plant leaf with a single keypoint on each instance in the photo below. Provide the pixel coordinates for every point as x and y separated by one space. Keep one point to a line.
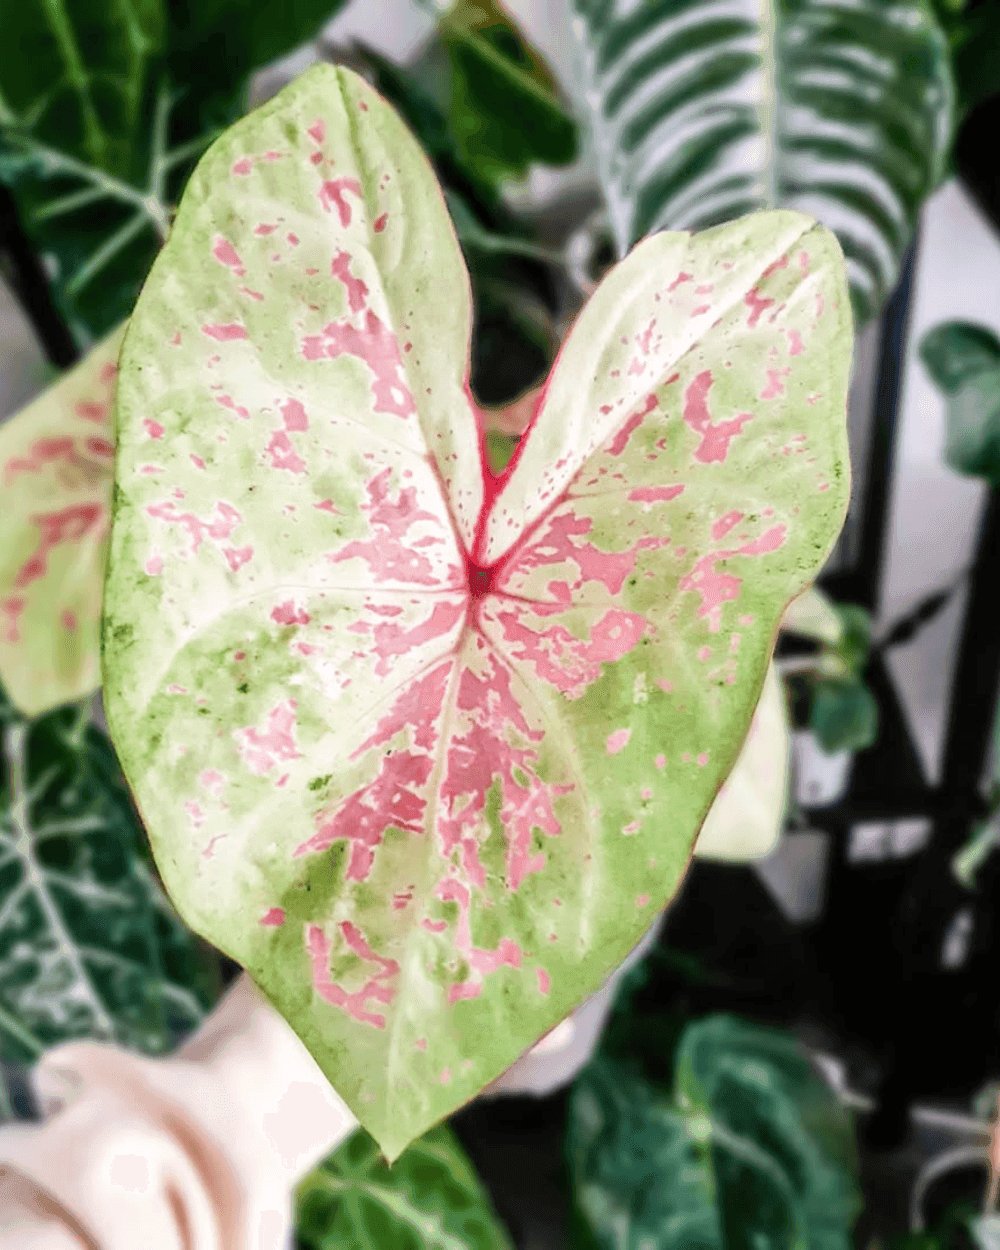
214 45
56 471
77 115
745 821
854 645
701 114
89 945
973 33
813 615
843 715
430 1199
964 361
750 1150
77 75
505 107
956 351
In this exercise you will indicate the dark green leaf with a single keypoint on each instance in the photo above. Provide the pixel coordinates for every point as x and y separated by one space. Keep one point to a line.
430 1199
641 1168
973 439
843 715
856 639
505 111
750 1151
216 44
89 945
956 351
79 78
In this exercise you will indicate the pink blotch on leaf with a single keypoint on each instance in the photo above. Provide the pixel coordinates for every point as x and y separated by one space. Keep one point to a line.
395 798
660 761
274 918
757 304
294 416
153 428
317 131
283 454
154 566
617 741
775 383
795 347
544 980
642 900
225 332
388 556
725 523
681 277
222 526
620 441
715 439
378 225
327 505
11 609
288 614
68 620
377 346
236 557
702 759
332 193
261 749
226 254
66 525
357 291
378 987
655 494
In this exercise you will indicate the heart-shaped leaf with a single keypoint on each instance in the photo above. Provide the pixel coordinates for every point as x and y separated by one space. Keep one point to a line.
56 464
427 751
700 114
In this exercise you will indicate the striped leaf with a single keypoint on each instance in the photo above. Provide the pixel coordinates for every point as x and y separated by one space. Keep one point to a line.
705 110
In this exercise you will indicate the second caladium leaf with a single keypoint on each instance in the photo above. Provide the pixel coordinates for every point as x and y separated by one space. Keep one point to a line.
426 751
56 460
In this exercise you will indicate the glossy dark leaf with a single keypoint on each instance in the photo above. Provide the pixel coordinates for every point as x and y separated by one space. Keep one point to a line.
843 715
430 1199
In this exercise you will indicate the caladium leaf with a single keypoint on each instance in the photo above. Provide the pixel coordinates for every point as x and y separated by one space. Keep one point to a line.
745 820
430 1199
425 750
56 471
700 114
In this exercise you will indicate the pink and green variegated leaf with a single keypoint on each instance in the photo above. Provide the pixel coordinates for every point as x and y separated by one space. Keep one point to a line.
56 472
427 751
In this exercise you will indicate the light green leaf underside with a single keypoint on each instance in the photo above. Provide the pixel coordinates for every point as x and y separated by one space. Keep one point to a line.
56 471
745 820
269 684
704 111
